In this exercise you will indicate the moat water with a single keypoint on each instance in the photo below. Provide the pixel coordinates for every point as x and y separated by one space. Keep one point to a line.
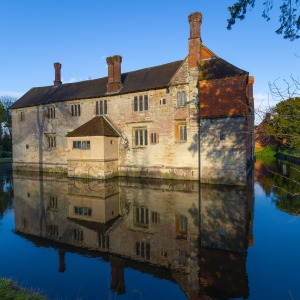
152 239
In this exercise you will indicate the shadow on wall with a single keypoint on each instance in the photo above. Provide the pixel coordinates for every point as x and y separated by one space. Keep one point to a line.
226 129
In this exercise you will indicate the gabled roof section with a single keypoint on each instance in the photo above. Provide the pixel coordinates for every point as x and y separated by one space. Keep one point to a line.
140 80
98 126
216 68
206 53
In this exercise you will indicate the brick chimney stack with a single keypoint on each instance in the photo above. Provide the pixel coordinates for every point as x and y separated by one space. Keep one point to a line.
195 20
114 83
57 68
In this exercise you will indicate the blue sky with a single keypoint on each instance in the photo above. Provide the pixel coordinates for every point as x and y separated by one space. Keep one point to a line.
81 34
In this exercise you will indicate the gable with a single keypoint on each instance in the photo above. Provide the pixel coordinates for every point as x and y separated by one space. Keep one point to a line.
206 53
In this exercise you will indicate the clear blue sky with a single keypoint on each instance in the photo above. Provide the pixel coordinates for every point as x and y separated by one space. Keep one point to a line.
81 34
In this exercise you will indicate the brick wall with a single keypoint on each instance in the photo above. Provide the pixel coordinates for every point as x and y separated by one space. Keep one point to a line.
225 96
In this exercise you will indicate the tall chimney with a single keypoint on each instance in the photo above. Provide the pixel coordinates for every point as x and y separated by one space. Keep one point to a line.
57 67
195 20
114 83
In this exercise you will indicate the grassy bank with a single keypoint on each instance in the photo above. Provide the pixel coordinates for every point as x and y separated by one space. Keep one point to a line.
269 151
264 151
268 154
11 291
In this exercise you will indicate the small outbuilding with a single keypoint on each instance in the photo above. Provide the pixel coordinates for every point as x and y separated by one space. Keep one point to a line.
93 149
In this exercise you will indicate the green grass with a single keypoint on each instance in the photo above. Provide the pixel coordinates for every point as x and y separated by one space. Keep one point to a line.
266 151
11 291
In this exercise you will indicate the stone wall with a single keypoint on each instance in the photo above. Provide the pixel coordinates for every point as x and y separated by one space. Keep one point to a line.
223 151
168 157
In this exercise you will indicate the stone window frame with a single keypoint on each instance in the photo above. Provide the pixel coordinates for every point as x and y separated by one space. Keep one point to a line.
154 138
75 110
141 216
52 230
22 116
181 132
155 217
140 103
163 101
181 226
52 202
104 241
83 211
181 98
101 107
78 235
51 142
139 137
143 249
50 112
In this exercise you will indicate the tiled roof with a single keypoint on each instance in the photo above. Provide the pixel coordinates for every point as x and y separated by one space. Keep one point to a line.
145 79
140 80
218 68
98 126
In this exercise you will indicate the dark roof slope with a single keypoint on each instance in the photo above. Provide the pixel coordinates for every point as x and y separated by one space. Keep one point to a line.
218 68
145 79
98 126
140 80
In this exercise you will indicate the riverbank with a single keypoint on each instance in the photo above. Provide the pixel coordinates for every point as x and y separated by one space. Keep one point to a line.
269 152
10 290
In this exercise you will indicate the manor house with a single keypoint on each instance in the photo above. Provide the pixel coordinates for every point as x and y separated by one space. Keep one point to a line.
185 119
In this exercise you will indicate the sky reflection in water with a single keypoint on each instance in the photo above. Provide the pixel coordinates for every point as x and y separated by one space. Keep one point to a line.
148 239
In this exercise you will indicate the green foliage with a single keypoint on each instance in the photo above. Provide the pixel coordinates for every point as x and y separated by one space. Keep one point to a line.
284 124
289 17
280 181
6 144
2 113
5 154
5 120
9 291
6 195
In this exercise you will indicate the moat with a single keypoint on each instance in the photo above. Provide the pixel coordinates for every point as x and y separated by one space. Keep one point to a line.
152 239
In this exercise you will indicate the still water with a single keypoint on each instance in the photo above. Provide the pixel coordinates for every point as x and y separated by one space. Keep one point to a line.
152 239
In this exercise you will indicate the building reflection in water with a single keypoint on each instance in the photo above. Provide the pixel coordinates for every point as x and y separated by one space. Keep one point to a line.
151 226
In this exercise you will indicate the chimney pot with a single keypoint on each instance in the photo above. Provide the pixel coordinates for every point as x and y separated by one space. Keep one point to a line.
57 68
114 83
195 20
